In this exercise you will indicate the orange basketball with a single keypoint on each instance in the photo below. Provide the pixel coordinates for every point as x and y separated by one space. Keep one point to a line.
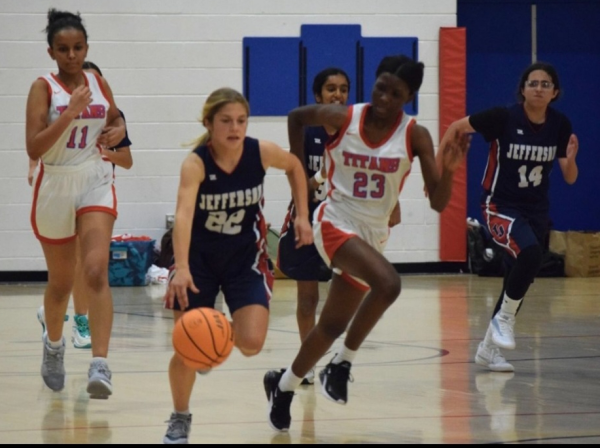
203 338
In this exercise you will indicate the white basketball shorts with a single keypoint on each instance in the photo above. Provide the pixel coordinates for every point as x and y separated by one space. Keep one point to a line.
332 228
62 193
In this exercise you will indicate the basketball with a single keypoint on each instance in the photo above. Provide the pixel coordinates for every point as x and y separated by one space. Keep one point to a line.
203 338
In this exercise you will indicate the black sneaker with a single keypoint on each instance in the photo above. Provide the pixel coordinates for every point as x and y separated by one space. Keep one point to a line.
279 402
334 380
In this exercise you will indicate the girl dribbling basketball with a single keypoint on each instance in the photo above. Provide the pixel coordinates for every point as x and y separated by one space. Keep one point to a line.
219 239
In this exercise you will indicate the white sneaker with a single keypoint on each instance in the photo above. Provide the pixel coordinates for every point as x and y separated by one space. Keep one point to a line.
493 359
503 331
81 332
41 316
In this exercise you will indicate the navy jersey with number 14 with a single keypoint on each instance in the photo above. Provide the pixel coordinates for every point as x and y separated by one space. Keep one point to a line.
521 155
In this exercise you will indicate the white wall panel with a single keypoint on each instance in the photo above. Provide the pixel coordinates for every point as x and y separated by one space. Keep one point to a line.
162 59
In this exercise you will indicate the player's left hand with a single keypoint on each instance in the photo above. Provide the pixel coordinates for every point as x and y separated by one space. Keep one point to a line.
455 151
303 231
111 136
177 289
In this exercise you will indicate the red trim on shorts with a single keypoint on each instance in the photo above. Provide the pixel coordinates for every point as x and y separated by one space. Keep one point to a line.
333 238
96 208
56 242
36 190
385 139
354 283
114 192
496 219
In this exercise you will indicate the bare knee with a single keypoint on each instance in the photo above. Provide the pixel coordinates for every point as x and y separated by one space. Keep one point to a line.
307 305
388 288
250 346
96 277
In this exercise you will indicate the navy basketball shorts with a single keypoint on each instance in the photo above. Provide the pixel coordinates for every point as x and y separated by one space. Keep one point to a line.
242 273
302 264
515 229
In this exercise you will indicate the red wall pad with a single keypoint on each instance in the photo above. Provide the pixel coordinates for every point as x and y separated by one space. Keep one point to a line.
453 97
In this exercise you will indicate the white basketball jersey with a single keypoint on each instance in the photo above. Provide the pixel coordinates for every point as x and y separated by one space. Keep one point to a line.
364 179
78 143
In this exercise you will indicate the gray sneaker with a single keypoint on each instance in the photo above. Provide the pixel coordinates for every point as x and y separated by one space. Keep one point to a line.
99 376
53 365
179 429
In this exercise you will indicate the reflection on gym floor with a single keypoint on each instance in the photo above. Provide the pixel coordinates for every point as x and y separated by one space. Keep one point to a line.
415 380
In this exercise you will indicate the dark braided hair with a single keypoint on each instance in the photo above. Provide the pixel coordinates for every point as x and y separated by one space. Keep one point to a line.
405 68
60 20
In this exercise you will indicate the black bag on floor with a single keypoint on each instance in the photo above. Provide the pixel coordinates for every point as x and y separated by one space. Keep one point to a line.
165 258
484 256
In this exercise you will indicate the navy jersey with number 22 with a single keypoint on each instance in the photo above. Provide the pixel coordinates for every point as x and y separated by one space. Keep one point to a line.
229 205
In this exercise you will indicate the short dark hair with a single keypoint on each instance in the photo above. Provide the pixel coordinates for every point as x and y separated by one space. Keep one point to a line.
405 68
321 78
90 65
548 68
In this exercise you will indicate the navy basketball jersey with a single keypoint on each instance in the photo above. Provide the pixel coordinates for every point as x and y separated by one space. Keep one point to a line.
521 155
315 139
229 209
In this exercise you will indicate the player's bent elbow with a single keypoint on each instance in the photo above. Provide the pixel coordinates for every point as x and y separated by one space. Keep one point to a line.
438 206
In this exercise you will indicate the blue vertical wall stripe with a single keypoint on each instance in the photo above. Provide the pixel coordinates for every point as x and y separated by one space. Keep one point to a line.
326 46
498 50
272 70
569 38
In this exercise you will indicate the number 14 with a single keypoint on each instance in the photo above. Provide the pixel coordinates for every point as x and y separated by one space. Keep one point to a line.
535 176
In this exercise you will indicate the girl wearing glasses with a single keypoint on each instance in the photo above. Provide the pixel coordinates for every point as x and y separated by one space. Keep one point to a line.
525 139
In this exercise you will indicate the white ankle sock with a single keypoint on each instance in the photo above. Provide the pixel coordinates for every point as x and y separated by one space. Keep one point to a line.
54 345
345 354
289 382
186 413
510 306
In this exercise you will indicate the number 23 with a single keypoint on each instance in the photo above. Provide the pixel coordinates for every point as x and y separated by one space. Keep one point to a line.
361 183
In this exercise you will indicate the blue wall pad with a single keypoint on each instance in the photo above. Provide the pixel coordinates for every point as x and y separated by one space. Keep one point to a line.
278 71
